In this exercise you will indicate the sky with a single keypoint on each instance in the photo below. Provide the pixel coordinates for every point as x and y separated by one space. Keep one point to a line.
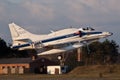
41 16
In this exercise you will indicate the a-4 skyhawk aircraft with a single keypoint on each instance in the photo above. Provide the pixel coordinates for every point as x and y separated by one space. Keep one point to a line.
55 42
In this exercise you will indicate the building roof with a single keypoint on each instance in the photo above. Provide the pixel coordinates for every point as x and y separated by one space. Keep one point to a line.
43 61
15 60
38 61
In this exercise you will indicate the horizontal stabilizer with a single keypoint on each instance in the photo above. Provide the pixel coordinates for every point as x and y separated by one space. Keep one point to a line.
24 40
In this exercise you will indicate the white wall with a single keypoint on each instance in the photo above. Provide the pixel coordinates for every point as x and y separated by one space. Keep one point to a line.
51 69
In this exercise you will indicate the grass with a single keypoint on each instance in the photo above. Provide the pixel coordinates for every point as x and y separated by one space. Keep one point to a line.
96 68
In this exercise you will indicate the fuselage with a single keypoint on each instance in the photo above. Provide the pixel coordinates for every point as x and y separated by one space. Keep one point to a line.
64 36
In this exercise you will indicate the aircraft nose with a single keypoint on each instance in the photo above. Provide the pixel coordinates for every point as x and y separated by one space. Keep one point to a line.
108 33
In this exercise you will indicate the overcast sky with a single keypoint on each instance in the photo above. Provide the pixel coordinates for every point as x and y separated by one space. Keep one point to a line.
41 16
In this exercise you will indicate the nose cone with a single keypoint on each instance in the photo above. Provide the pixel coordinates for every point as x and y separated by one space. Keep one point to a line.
107 34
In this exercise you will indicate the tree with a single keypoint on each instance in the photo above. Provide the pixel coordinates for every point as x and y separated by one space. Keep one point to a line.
7 52
3 48
110 50
101 52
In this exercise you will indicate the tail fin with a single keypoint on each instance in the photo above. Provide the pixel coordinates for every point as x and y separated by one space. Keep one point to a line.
18 34
17 31
21 36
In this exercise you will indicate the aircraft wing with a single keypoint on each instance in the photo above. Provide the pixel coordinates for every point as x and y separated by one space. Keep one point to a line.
60 50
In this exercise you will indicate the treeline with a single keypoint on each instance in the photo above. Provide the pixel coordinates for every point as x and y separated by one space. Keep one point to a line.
105 52
7 52
96 53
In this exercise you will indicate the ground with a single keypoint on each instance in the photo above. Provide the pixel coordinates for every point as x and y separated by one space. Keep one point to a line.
96 72
58 77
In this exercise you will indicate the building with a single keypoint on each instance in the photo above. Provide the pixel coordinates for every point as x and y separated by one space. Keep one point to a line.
24 65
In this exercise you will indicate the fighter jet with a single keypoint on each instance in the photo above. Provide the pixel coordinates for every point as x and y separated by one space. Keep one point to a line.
55 42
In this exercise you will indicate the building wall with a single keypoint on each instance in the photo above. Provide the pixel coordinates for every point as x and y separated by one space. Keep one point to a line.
54 69
14 68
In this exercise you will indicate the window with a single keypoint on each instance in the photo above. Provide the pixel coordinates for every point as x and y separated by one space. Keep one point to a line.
3 67
13 66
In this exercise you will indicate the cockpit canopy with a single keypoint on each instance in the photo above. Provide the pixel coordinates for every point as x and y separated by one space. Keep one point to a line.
87 29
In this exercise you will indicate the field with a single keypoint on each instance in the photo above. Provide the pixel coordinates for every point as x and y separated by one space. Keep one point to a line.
96 72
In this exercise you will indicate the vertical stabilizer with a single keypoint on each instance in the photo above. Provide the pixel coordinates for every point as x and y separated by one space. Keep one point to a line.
22 36
17 31
18 34
13 31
